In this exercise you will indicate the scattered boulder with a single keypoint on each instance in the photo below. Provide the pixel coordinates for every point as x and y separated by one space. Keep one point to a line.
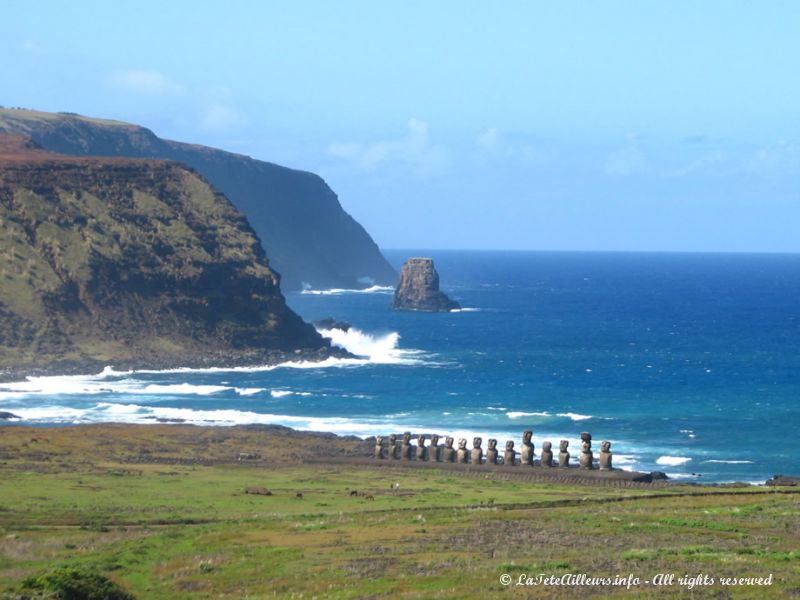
248 456
418 288
331 323
783 480
258 491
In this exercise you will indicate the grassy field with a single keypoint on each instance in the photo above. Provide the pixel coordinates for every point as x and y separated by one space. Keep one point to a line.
131 503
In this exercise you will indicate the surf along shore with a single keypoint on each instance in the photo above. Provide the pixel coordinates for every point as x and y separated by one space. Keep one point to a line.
172 510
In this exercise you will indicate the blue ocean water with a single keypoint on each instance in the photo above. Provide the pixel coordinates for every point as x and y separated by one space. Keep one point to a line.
687 363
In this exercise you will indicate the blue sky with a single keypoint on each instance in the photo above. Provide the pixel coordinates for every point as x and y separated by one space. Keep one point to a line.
515 125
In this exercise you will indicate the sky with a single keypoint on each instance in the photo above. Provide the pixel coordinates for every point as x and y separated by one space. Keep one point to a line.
596 125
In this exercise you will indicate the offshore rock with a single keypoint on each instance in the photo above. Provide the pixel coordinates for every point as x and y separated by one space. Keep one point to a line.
418 288
331 323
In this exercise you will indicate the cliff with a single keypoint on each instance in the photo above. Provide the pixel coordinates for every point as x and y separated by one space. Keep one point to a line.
132 262
418 288
307 235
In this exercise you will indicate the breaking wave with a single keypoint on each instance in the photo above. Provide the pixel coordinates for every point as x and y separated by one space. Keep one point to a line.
284 393
135 413
376 349
82 385
672 461
374 289
568 415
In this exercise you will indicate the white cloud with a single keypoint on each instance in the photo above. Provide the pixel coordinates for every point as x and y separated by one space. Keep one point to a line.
32 47
513 147
780 158
346 150
145 81
413 150
489 139
714 163
630 160
221 116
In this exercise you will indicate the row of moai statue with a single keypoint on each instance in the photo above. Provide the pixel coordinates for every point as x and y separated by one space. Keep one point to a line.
405 450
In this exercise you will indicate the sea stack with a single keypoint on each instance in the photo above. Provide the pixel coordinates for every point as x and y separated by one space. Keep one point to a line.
418 288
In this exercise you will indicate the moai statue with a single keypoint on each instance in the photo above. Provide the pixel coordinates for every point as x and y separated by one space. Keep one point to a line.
394 447
510 454
462 455
526 455
448 452
491 453
587 458
406 450
380 453
563 454
435 451
605 456
547 454
476 456
422 451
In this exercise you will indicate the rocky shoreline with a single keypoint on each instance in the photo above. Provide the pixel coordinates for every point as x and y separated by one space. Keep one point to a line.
220 360
277 446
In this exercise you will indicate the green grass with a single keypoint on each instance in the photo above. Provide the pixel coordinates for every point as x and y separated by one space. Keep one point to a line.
166 531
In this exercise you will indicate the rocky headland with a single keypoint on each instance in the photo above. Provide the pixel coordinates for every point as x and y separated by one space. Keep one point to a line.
137 263
418 288
309 238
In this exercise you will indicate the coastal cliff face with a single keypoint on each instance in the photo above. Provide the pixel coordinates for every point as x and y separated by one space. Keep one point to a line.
418 288
309 238
131 262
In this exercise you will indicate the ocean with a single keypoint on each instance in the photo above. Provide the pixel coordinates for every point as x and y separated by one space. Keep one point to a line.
688 363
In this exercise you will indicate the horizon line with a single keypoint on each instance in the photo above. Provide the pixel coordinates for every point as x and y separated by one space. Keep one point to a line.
573 251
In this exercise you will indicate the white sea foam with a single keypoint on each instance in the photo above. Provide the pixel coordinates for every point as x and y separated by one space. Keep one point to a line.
55 414
672 461
284 393
374 289
569 415
376 349
730 462
682 475
179 388
626 459
465 309
575 416
74 385
134 413
371 350
249 391
515 414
